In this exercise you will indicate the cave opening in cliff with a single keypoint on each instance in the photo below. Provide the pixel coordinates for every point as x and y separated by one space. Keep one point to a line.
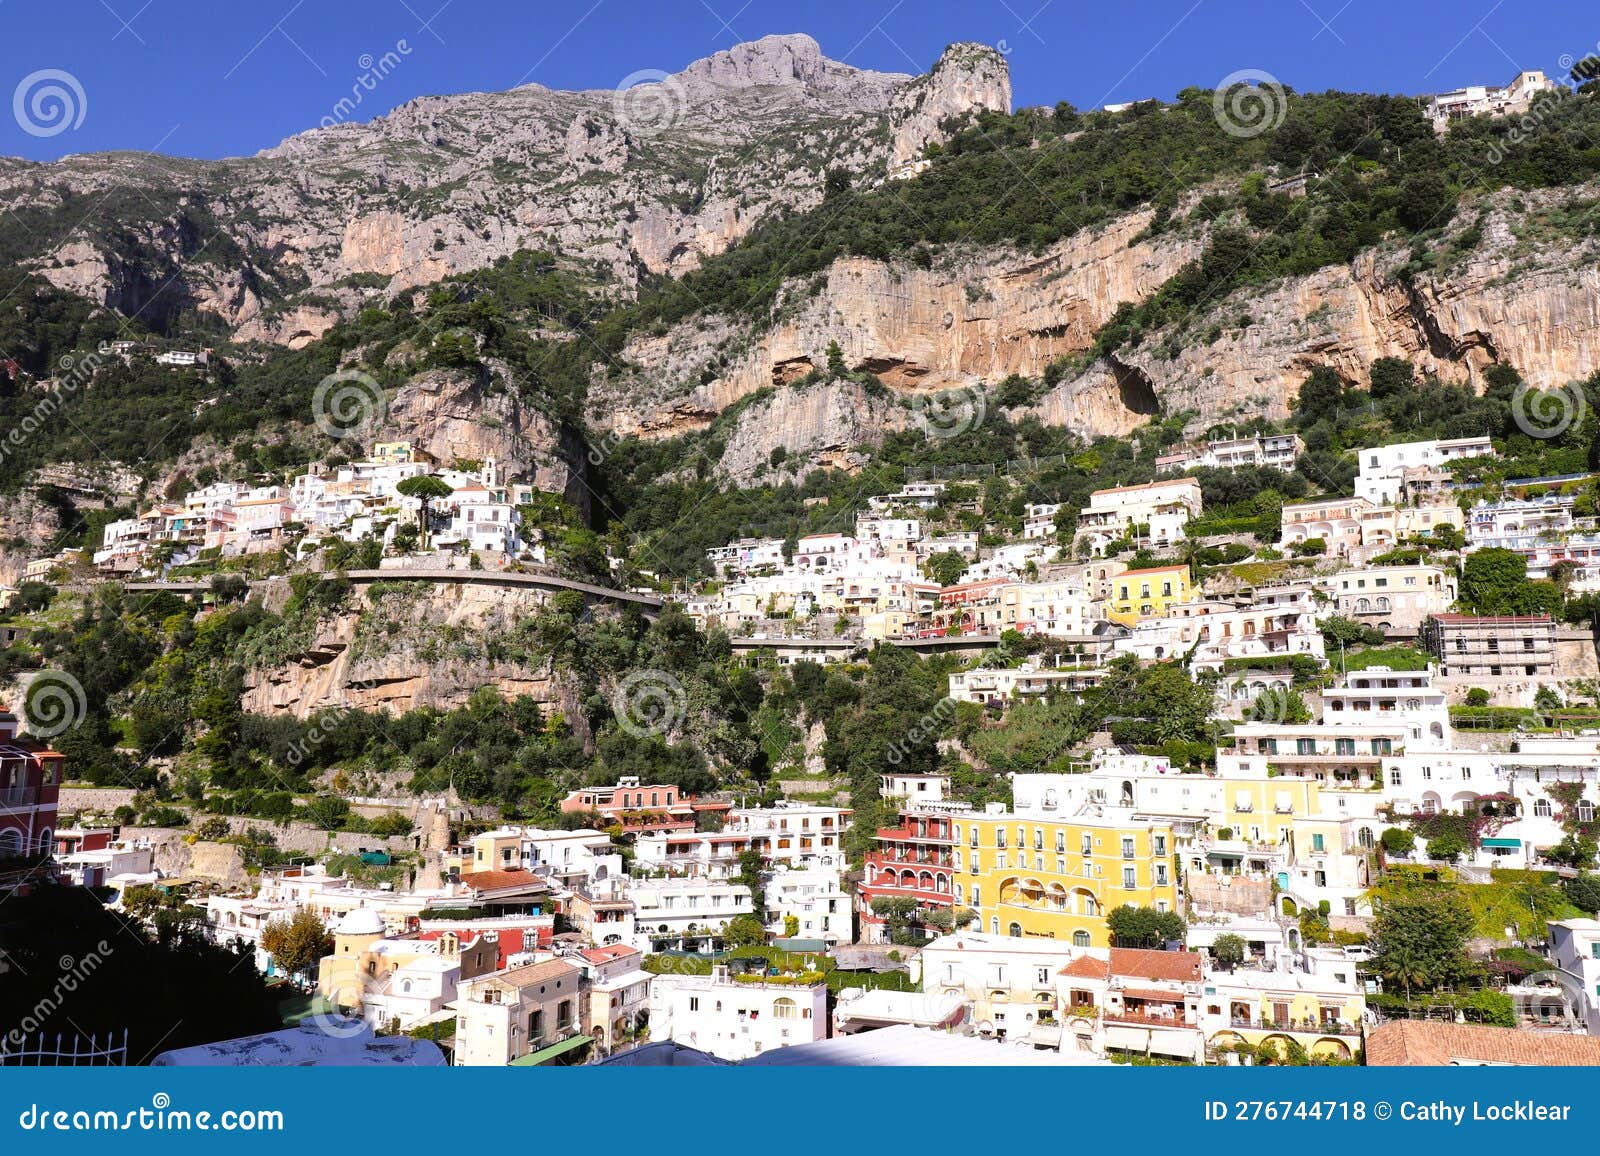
1135 388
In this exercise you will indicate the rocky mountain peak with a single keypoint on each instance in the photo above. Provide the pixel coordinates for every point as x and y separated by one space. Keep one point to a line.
966 78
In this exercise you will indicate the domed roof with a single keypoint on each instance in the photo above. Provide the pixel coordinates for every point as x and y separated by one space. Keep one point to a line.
361 921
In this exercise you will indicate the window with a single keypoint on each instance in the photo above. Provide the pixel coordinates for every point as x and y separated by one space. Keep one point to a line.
1541 808
1316 843
1129 878
1160 844
1127 847
1080 939
1061 841
1086 843
1585 811
1161 874
1014 931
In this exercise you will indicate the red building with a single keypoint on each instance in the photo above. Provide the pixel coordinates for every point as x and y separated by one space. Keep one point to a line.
913 859
30 780
511 934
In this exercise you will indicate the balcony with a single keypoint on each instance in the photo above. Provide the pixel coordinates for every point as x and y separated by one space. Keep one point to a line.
1302 1027
1147 1020
18 797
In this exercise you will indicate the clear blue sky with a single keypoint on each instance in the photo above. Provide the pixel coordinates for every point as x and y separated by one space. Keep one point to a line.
211 78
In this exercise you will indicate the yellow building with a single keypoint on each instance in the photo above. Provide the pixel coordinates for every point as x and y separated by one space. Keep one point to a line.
401 452
1138 594
1034 874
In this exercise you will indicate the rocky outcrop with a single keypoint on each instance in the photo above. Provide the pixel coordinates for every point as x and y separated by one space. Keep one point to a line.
1518 295
823 425
458 415
417 645
967 78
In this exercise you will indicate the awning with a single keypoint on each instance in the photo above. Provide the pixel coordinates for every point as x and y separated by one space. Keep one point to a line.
545 1055
1514 843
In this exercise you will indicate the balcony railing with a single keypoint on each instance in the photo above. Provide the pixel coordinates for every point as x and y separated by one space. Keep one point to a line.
1307 1027
1129 1017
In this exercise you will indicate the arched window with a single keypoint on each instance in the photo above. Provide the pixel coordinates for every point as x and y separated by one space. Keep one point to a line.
1585 811
1015 931
994 925
1080 939
785 1009
1364 837
1383 605
1541 808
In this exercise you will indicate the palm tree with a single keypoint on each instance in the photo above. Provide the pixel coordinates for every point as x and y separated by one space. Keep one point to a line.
1406 965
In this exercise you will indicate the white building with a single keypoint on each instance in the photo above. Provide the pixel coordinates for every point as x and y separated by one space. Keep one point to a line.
736 1020
1154 513
998 685
685 913
1382 475
1487 99
815 898
1575 950
1210 633
1040 520
794 834
1396 598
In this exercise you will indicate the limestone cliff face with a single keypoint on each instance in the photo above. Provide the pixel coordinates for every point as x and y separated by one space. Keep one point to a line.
822 425
1519 295
646 178
423 646
972 318
1513 291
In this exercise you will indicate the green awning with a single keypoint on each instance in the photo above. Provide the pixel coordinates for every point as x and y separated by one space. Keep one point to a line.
1502 842
545 1055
